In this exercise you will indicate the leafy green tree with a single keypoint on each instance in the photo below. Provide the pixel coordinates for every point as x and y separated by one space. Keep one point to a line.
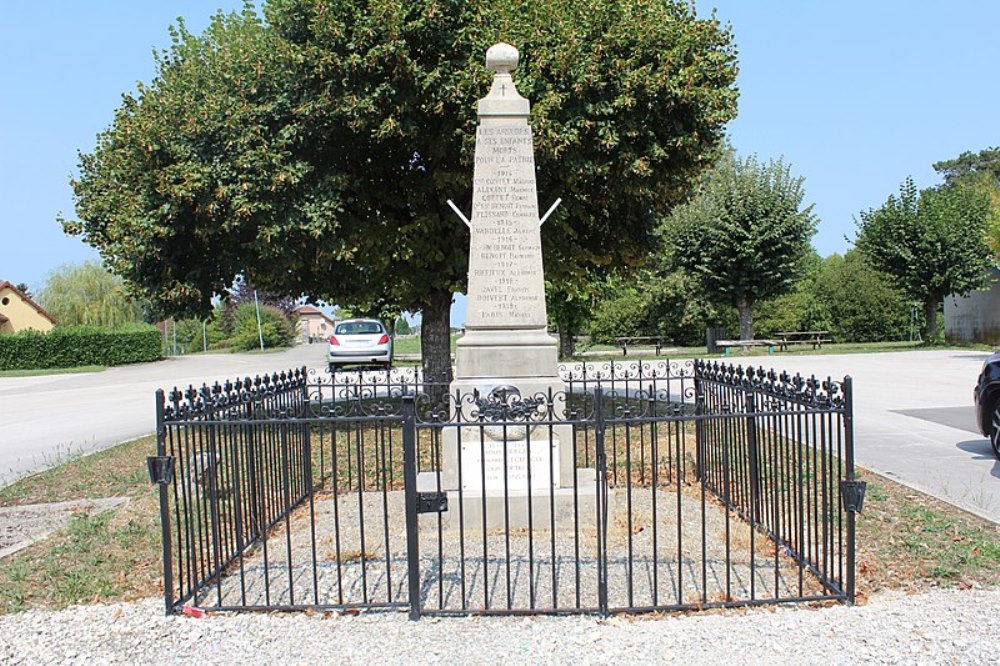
970 165
622 309
980 171
645 302
87 294
193 334
799 309
745 236
401 326
569 304
933 242
275 328
313 149
863 304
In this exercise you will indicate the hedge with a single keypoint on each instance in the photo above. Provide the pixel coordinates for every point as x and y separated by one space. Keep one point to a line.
66 347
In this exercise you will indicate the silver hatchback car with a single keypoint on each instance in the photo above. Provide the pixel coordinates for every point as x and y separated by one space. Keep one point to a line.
359 342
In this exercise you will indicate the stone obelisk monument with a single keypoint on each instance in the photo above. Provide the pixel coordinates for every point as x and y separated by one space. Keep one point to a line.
506 344
506 325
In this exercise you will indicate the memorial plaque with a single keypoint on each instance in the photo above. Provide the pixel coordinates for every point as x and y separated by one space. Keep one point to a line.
483 459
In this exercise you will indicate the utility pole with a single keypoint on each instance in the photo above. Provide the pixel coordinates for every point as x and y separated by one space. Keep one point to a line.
260 331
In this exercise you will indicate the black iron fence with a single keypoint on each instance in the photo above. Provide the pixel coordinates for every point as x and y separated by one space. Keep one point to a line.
634 486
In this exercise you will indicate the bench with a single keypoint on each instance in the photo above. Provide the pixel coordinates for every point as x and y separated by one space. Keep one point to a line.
638 340
814 338
747 344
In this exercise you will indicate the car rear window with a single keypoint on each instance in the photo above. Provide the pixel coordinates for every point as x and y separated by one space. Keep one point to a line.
358 328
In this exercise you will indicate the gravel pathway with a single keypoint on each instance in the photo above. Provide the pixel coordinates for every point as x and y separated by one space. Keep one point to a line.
458 575
938 627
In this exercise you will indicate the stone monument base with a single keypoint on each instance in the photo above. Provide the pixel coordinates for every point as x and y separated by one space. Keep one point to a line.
575 508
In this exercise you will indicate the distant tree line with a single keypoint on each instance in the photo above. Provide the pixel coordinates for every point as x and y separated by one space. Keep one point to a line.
89 295
737 256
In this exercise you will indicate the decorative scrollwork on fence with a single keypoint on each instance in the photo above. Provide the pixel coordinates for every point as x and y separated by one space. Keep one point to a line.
502 411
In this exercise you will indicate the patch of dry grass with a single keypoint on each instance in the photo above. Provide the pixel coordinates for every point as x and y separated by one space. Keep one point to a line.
116 472
908 540
105 557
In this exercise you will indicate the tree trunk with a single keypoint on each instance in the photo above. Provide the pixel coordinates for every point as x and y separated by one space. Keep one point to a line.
745 307
435 338
567 343
930 319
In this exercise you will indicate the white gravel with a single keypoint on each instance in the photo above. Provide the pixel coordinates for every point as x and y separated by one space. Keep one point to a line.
937 627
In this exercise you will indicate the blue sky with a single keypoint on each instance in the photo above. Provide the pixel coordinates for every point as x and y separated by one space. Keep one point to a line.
855 95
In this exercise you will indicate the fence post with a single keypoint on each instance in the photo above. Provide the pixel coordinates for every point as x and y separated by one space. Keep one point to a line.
699 425
306 413
210 479
753 457
168 565
849 452
602 502
410 494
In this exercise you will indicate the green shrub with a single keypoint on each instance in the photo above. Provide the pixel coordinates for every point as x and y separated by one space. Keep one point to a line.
865 304
191 334
69 346
275 328
651 305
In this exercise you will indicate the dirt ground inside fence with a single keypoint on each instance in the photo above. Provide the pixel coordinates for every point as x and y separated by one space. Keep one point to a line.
694 553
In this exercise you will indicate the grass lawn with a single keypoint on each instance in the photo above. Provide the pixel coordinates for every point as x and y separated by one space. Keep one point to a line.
411 344
39 372
112 556
906 540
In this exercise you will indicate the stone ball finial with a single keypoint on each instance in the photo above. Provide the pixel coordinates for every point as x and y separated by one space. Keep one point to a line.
501 58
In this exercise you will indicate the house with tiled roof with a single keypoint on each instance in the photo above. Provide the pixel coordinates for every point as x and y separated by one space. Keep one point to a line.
19 313
313 325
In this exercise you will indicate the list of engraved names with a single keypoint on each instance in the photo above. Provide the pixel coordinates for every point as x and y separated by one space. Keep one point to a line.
505 274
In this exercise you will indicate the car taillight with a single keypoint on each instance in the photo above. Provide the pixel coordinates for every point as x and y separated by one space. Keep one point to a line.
333 341
384 339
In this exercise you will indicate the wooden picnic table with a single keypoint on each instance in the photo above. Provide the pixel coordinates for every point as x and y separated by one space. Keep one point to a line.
814 338
624 342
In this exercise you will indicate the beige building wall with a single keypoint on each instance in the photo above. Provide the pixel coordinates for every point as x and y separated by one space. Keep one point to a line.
17 314
314 327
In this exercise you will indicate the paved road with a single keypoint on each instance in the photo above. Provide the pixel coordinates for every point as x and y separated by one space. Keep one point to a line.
46 419
914 420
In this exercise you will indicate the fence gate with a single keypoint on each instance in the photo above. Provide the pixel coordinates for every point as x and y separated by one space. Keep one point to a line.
504 514
642 486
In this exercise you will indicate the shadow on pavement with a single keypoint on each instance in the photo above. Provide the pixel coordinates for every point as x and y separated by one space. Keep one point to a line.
980 448
961 418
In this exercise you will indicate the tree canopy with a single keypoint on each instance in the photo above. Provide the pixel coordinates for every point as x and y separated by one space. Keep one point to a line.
932 241
312 148
980 171
87 294
969 165
745 235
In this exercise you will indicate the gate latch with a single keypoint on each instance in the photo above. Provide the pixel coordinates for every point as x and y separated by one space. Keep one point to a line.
852 494
161 469
432 502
